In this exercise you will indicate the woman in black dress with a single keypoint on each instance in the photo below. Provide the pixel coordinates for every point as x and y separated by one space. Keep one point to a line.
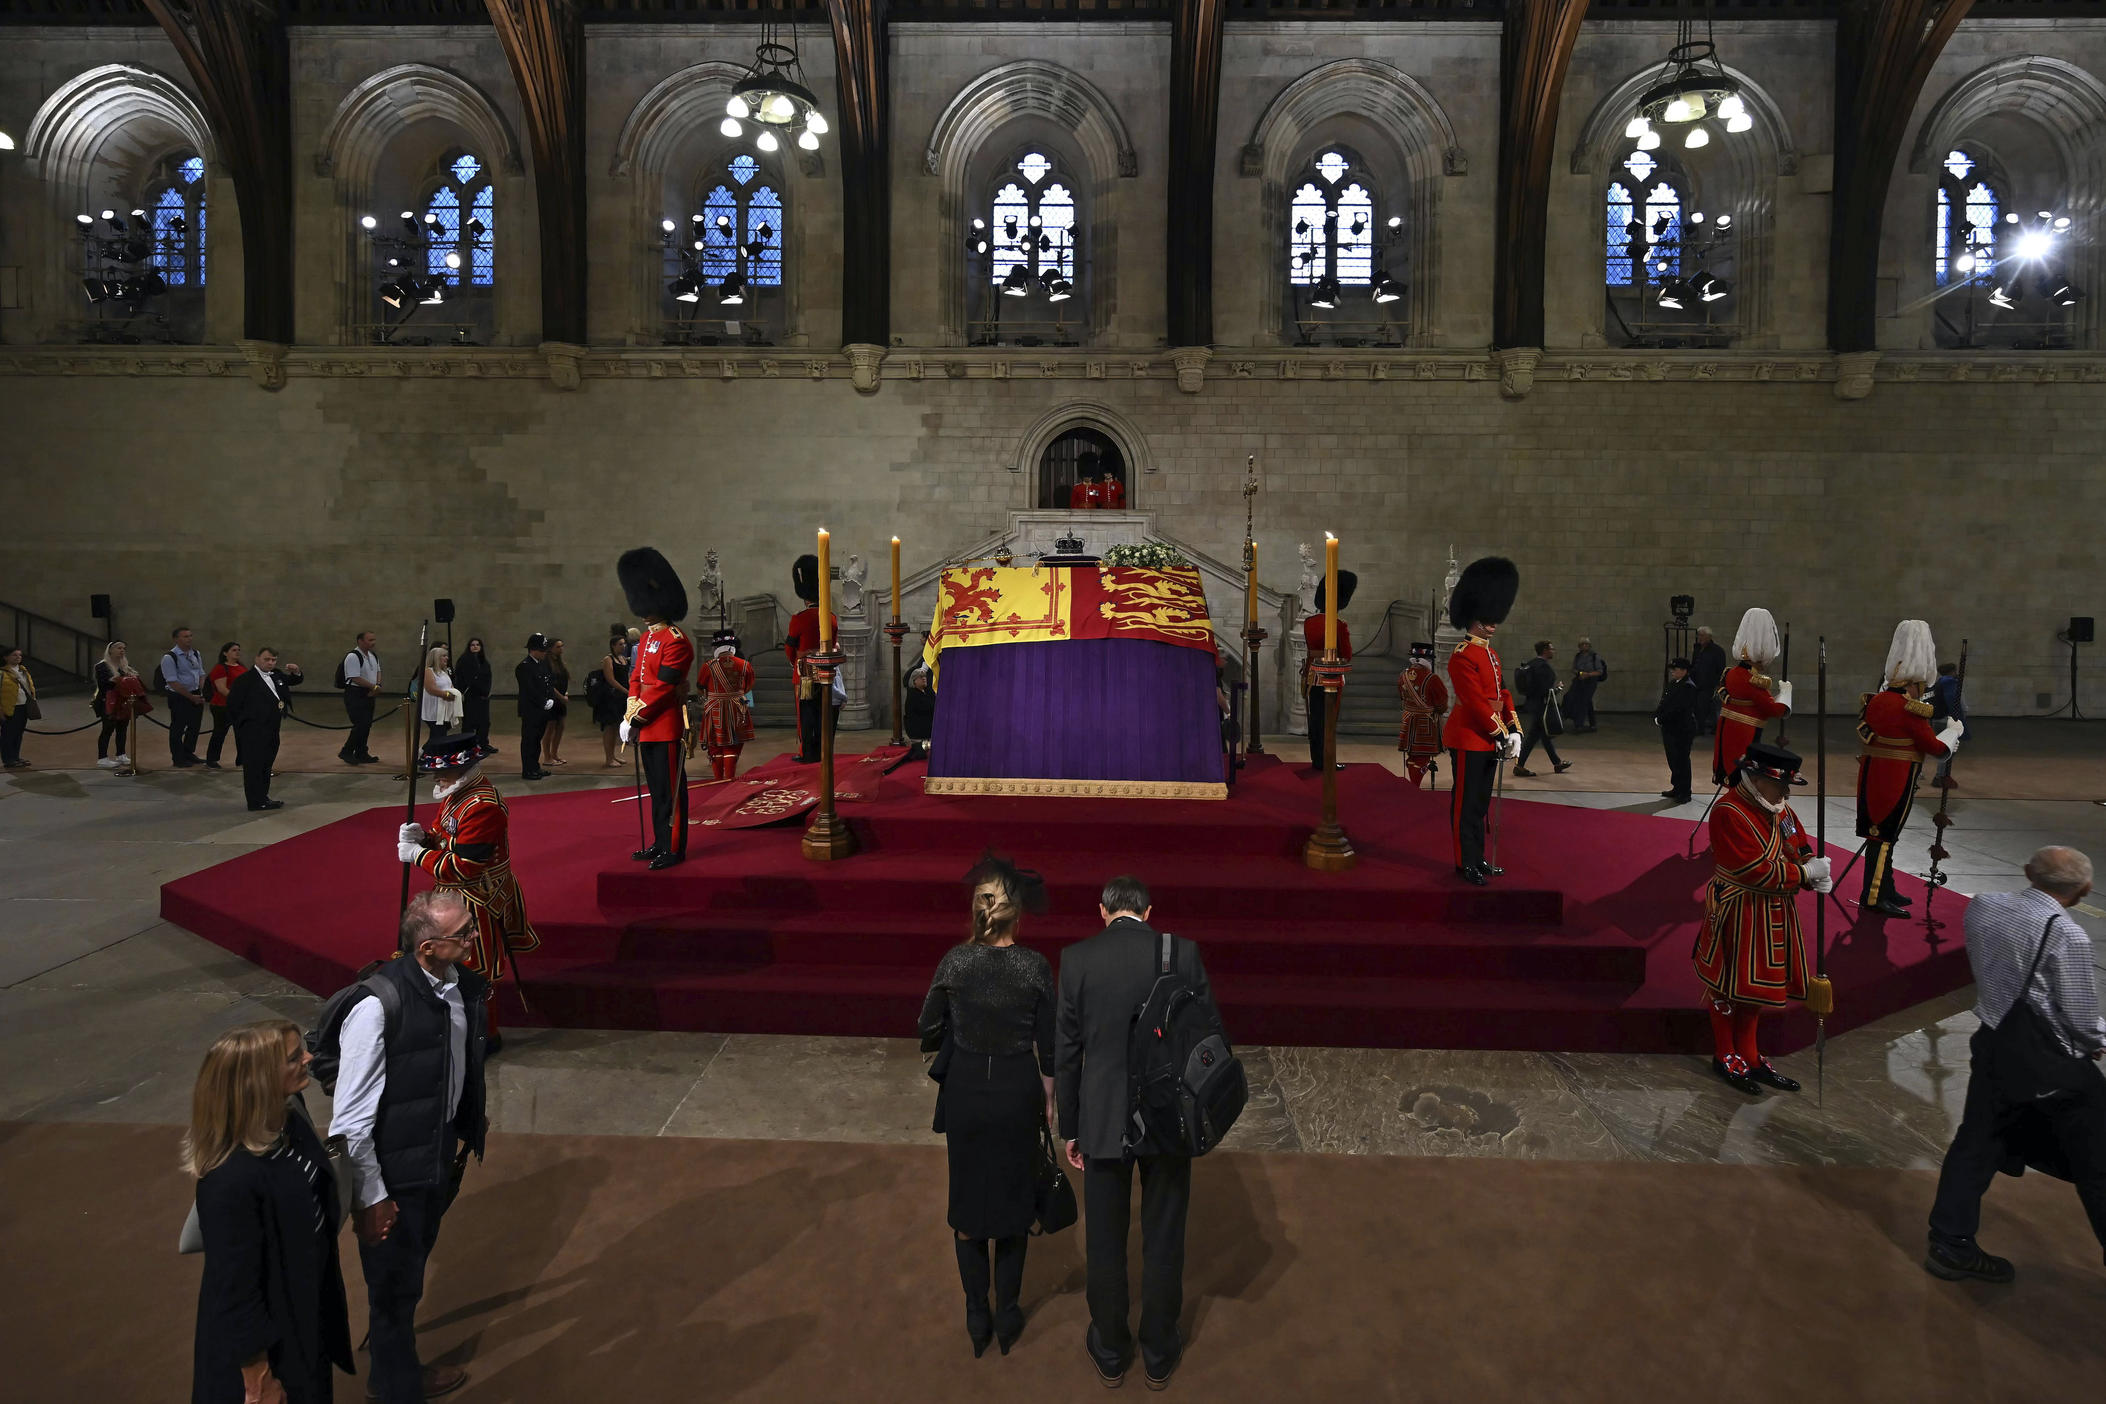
471 677
989 1015
271 1319
610 699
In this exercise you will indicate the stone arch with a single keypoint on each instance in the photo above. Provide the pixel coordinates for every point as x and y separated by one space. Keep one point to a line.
74 129
669 134
998 97
1753 161
368 123
1422 147
1082 414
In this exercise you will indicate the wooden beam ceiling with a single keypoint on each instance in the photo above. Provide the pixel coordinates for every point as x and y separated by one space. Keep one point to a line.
544 40
1535 50
863 128
1195 110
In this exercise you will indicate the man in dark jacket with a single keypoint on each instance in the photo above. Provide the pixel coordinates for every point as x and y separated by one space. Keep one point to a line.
1706 667
1537 682
410 1107
1676 716
256 705
537 702
1102 982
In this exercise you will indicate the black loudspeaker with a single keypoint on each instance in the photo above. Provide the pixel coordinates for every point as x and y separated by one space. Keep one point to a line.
442 611
99 606
2079 628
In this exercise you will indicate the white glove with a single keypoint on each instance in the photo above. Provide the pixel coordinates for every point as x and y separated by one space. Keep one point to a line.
549 706
409 852
410 833
1817 874
626 731
1954 730
1784 694
1511 744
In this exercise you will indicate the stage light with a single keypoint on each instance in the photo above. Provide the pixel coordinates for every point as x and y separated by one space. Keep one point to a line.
730 127
724 222
475 229
807 142
434 293
152 284
2011 218
699 245
409 216
2062 222
1388 289
453 260
368 222
178 225
978 246
1017 283
1723 222
732 291
2008 298
138 214
394 294
756 248
1396 221
1036 221
736 107
1674 293
85 220
1964 263
2034 244
766 141
1326 294
1637 127
667 225
979 223
1650 141
430 218
1696 216
109 214
2065 294
1060 290
1708 287
97 289
687 287
394 263
816 124
1697 137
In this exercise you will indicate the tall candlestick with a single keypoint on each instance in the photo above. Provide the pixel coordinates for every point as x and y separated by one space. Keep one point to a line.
1250 587
895 580
1330 588
826 589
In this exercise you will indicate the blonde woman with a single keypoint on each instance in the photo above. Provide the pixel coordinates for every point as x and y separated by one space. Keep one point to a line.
441 701
271 1318
118 696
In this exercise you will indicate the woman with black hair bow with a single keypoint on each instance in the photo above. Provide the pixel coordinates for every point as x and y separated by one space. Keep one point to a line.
990 1013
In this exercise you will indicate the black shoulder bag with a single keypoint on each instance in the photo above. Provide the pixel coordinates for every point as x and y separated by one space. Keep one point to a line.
2029 1060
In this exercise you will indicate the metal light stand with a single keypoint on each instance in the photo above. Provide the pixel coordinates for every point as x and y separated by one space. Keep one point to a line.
897 632
827 837
1328 850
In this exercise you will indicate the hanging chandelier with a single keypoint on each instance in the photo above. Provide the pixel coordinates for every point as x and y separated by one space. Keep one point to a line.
1692 90
771 94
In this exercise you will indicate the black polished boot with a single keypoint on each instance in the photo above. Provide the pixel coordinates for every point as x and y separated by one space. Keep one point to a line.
1734 1073
1008 1286
645 855
972 1272
1767 1075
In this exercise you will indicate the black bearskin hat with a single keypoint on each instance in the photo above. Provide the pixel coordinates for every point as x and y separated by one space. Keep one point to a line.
652 585
1485 593
1347 583
804 578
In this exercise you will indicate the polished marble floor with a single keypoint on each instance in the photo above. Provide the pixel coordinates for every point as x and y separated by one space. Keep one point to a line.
104 1010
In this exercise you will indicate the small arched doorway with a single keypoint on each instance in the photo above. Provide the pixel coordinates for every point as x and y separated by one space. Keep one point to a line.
1078 455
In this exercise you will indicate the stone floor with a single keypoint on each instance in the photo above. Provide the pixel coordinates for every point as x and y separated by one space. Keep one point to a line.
105 1009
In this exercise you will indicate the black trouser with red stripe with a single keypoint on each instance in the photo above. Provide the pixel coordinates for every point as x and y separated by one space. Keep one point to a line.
1470 801
667 776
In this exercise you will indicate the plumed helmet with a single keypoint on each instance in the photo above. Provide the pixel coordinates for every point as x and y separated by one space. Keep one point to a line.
804 578
1347 583
1912 657
652 585
1484 592
1756 639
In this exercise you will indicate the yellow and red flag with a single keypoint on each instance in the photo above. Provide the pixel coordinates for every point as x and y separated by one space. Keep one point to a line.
981 605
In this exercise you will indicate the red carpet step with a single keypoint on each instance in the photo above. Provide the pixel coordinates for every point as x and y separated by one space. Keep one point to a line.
1582 946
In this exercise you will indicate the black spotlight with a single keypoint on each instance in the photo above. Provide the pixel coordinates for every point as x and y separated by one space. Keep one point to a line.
1388 289
687 287
1326 294
97 289
395 294
150 284
732 291
1682 607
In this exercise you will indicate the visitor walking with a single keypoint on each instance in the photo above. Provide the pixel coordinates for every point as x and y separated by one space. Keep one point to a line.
1537 682
361 686
1588 673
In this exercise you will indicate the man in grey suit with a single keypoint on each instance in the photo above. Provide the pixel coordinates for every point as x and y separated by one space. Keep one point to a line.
1102 983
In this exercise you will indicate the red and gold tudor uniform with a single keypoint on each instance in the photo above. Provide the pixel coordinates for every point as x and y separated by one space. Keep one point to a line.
468 851
1747 703
1424 698
1894 735
727 722
1750 954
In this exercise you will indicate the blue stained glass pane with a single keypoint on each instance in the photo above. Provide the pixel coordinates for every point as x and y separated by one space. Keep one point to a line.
1982 206
1942 236
1663 232
765 208
465 168
483 257
192 169
171 250
1959 163
719 258
197 232
744 168
442 236
1619 217
1056 213
1010 207
1307 242
1356 259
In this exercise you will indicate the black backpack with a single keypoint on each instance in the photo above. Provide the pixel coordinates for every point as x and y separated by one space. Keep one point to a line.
324 1040
159 683
1185 1086
342 682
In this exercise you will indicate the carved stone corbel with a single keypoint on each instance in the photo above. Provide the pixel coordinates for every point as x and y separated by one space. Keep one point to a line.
864 361
1517 369
266 363
1191 363
566 364
1853 374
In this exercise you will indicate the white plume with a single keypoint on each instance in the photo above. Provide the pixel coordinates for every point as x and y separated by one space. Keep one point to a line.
1756 638
1912 657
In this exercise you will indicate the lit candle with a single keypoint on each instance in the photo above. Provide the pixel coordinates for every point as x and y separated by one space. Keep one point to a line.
1330 590
895 580
1250 589
826 590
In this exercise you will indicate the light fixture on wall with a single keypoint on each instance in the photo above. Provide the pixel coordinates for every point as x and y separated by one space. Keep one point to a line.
1691 90
772 95
7 143
2037 254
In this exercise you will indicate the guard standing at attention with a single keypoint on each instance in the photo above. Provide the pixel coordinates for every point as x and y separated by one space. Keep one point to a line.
1425 697
1747 696
1893 728
1482 729
802 639
657 710
1749 953
1313 640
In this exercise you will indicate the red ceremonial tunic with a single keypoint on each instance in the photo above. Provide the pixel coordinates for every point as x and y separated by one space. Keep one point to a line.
1896 735
727 723
468 850
1313 638
1424 697
1484 709
1750 950
658 680
1115 495
1088 493
1745 704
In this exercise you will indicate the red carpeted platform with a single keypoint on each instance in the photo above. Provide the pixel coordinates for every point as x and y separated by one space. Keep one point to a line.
1582 946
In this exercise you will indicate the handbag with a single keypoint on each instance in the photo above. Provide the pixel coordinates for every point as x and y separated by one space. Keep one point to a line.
192 1237
2029 1061
31 710
1052 1196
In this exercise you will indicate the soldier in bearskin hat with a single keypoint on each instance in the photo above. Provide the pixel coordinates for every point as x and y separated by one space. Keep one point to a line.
1313 637
468 852
802 639
1749 954
727 718
1424 697
1894 731
1482 730
656 716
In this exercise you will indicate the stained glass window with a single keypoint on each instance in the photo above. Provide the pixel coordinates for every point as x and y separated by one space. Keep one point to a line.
737 215
1331 224
1619 232
462 195
176 214
1031 224
764 227
1663 233
1964 225
1309 244
743 168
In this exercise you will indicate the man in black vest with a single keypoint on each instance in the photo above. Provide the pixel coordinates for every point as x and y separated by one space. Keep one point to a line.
1102 982
409 1105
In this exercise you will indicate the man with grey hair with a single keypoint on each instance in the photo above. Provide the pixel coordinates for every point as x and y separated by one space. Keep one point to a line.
2032 1094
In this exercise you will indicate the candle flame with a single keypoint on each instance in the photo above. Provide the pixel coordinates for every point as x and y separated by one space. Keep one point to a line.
895 541
1329 537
